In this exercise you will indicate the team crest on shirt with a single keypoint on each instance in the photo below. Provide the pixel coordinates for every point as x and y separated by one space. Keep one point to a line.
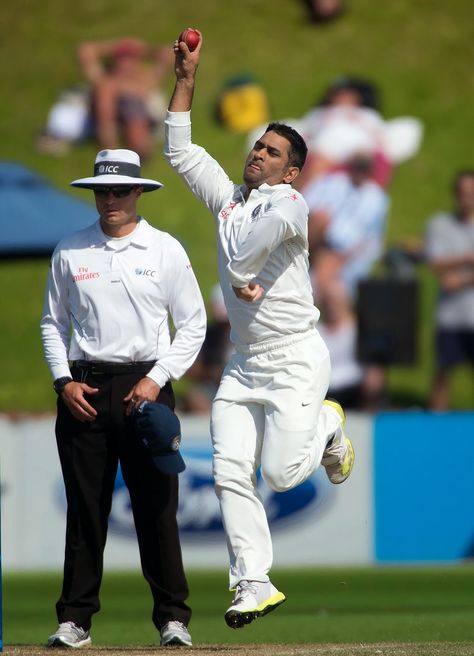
256 212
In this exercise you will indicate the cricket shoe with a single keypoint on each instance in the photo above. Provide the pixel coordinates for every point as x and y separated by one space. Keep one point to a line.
175 633
338 456
252 599
69 634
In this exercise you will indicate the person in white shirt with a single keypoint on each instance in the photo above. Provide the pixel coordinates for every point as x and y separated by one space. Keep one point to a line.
347 222
449 252
268 410
110 292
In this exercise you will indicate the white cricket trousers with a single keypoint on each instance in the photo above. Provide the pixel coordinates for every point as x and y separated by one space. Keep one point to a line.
267 413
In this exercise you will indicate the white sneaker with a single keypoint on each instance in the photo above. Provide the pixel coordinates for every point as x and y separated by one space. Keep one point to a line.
175 633
252 599
338 456
69 634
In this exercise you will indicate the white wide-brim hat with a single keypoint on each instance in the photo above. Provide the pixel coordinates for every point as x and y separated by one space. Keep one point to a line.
116 167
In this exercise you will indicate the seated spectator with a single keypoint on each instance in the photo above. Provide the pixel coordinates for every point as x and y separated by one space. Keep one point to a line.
205 374
347 220
449 249
126 77
346 121
355 386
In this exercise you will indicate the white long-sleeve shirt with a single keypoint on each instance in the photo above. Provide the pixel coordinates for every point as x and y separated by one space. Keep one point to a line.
110 300
262 238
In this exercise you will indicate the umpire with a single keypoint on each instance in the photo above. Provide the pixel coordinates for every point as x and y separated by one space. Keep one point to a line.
105 330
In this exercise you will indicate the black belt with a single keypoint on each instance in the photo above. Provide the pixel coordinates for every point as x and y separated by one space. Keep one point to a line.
113 368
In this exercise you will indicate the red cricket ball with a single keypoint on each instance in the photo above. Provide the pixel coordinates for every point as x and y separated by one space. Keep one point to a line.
190 38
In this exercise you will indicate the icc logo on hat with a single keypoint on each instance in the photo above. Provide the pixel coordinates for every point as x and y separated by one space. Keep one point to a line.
117 167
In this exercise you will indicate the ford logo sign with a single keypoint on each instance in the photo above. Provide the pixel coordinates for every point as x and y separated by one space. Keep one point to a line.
199 513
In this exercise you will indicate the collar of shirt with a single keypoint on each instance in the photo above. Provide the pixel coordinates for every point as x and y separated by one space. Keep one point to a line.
139 237
265 188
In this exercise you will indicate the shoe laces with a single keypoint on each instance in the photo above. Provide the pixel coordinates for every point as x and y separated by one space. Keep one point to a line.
174 624
335 450
244 589
68 627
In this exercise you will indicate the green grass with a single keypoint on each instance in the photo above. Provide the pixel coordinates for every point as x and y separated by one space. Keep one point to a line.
332 605
420 55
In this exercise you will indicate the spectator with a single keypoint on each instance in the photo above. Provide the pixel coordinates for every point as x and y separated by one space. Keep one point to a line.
449 249
338 328
357 386
324 11
205 374
126 76
347 218
345 121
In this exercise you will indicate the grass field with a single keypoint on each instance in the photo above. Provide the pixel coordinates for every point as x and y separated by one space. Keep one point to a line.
349 606
419 54
272 649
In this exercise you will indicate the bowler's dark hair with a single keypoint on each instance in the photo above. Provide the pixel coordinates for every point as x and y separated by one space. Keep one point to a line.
298 149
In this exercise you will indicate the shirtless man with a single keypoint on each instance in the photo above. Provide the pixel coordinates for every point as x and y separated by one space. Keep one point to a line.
125 76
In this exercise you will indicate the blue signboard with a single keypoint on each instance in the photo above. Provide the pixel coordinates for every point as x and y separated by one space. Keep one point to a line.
424 486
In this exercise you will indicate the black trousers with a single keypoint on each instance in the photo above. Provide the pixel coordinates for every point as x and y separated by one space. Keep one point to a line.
90 453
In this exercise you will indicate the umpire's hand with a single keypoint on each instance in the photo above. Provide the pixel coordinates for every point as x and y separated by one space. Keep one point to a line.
145 390
73 397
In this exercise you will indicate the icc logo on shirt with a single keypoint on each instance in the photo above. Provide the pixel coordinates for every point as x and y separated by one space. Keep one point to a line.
145 272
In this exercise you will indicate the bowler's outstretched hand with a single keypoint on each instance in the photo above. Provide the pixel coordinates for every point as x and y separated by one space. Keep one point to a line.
186 60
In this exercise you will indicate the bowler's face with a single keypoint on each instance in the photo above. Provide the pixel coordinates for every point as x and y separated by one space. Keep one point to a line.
268 161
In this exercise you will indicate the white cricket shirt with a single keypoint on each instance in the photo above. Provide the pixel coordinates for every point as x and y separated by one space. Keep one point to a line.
110 300
263 238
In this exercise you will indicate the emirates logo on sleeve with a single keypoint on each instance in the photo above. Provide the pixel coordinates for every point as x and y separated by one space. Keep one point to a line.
226 212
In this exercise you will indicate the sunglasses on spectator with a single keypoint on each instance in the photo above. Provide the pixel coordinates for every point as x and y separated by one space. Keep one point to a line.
117 192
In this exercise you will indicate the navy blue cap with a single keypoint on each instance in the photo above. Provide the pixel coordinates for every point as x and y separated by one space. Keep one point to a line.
159 430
